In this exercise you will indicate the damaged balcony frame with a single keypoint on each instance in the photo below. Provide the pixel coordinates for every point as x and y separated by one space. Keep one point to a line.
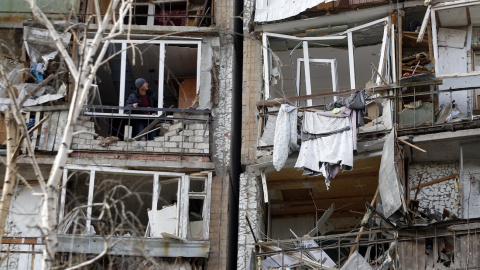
387 51
185 193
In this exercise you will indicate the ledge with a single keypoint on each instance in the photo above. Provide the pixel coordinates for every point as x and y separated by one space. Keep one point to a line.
133 246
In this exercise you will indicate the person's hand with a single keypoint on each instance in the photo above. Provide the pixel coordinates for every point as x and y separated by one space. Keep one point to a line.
135 105
154 114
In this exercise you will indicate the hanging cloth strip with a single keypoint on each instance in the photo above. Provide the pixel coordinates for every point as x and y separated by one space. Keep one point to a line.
285 141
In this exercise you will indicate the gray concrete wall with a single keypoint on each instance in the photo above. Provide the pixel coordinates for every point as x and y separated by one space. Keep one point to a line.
222 112
471 188
250 205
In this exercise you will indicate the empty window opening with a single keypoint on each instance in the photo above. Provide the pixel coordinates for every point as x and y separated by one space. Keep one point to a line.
170 68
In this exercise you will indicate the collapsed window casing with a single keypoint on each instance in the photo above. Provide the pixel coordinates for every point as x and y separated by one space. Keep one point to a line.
372 63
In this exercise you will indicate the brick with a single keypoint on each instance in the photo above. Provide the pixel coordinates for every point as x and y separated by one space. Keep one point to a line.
174 150
176 139
156 143
186 145
171 133
202 132
186 133
195 151
178 126
161 139
196 126
171 144
201 145
196 139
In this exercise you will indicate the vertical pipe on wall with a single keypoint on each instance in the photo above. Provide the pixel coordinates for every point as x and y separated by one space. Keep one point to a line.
236 139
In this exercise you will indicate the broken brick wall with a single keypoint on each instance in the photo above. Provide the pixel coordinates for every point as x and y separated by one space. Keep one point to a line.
175 137
438 196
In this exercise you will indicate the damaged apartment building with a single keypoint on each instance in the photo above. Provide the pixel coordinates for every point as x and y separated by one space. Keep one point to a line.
124 202
360 135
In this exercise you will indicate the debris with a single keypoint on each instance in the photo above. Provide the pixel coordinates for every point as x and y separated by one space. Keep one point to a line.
417 64
356 261
416 117
435 181
444 111
413 105
389 260
367 217
308 261
104 142
322 225
411 145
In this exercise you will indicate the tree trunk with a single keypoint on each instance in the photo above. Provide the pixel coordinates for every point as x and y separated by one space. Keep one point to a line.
10 174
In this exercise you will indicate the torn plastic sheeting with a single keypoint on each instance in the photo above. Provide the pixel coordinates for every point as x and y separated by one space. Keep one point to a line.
26 88
322 225
39 44
356 261
276 261
318 254
13 71
51 96
273 10
387 178
389 259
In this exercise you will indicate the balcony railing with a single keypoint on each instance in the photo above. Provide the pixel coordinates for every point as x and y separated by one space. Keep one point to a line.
418 107
180 132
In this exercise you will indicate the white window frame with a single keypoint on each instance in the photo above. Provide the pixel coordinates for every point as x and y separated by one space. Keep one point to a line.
333 71
161 67
351 61
151 12
183 194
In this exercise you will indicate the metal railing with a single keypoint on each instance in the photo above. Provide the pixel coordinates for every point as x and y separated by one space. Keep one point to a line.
180 132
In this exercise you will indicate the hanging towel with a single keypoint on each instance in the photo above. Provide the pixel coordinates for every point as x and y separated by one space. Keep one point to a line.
324 155
285 141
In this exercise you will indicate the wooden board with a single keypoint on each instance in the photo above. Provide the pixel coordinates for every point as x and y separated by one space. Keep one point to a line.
412 254
48 131
187 93
467 249
62 123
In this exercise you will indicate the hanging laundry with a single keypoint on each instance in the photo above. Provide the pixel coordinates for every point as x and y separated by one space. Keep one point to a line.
285 141
327 143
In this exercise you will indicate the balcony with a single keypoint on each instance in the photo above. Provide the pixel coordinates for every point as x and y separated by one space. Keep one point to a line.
417 105
182 133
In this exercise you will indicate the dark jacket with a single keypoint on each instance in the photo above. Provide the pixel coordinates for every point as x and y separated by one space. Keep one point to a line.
135 98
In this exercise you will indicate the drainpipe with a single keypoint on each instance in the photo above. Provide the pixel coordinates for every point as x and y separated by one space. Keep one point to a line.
236 139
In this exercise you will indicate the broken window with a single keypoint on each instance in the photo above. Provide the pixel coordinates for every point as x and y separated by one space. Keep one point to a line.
115 202
171 68
454 37
165 12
